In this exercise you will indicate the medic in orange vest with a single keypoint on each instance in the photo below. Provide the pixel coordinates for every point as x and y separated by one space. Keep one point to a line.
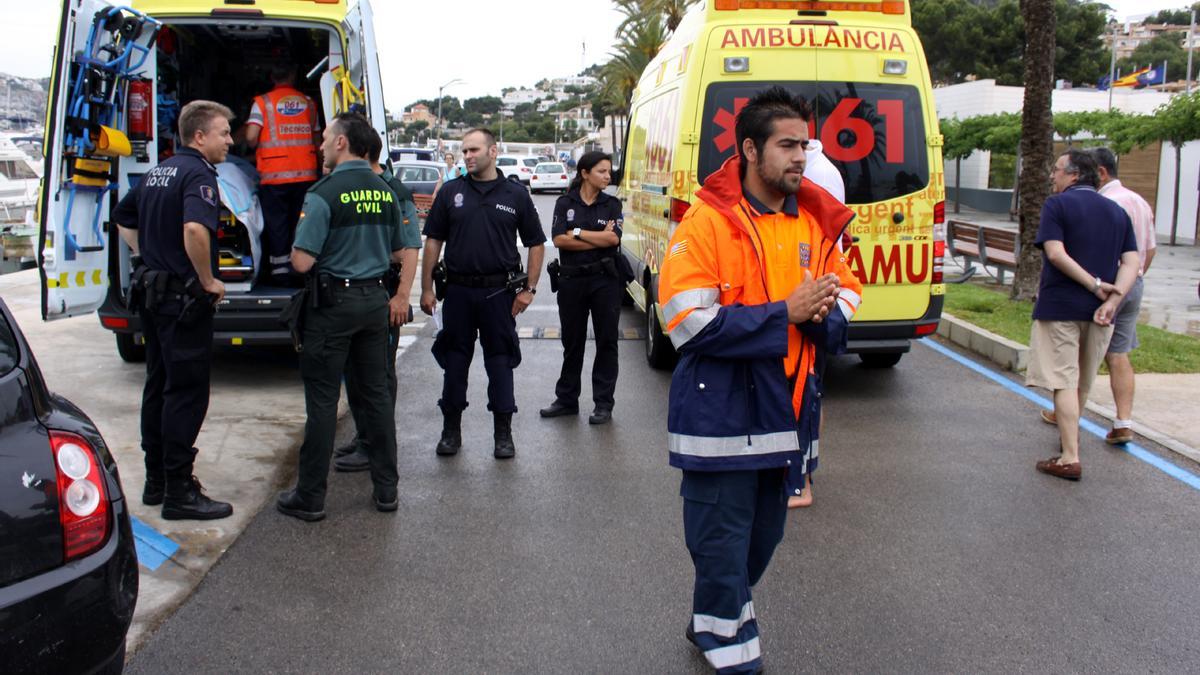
283 125
753 285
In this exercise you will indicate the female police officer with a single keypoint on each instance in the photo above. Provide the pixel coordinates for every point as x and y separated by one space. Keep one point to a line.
587 233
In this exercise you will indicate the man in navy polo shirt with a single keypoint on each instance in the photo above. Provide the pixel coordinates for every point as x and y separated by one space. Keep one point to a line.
478 219
1090 261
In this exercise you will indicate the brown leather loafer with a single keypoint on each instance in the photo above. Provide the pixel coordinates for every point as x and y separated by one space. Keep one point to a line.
1049 418
1119 436
1068 471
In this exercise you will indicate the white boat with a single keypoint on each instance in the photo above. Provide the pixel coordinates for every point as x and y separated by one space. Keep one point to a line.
20 176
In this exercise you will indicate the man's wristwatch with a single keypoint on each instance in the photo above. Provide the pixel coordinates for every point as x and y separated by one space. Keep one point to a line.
532 291
1097 286
576 232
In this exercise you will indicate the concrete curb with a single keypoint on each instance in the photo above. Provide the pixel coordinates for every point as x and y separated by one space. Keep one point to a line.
1014 356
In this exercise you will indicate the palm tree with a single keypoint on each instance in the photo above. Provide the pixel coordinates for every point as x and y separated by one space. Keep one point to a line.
673 11
639 38
1037 138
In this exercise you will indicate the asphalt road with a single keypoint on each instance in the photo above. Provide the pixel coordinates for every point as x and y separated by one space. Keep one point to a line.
934 546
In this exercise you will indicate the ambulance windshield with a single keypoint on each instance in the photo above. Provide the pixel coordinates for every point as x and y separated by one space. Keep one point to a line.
873 133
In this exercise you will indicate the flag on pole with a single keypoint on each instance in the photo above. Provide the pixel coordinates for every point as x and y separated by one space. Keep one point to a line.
1131 80
1156 75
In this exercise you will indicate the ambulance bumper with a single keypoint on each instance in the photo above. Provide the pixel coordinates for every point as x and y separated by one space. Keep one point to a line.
890 337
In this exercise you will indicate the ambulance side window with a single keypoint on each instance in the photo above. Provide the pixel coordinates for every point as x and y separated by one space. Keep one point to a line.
10 353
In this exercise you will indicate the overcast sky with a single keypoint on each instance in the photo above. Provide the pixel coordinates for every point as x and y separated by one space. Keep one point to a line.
425 43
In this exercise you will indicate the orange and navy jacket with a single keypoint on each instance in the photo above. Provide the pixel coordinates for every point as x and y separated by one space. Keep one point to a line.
286 152
745 394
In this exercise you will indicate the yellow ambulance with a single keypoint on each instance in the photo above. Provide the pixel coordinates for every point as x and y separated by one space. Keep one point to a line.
862 67
121 72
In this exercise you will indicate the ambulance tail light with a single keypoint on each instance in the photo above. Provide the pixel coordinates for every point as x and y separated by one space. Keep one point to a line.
896 7
678 208
926 329
939 242
83 509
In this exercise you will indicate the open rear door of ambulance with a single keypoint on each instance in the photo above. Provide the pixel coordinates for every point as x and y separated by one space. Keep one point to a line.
101 47
362 60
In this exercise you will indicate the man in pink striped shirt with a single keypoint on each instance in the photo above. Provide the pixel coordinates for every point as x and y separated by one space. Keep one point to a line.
1124 337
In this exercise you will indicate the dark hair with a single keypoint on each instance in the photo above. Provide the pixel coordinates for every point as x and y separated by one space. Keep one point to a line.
587 163
282 73
488 136
359 133
1105 159
1083 165
375 154
198 116
757 119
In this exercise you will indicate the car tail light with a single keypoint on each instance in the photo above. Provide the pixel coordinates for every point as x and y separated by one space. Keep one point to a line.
534 177
926 329
678 208
114 322
564 176
83 508
939 242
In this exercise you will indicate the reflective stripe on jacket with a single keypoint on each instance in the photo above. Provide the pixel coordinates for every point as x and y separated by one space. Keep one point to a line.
745 395
286 152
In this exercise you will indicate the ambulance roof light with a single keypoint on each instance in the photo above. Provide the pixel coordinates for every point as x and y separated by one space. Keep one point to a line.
898 7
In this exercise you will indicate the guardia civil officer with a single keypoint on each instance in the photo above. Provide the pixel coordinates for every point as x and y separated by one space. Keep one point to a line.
349 229
478 218
170 218
587 234
398 281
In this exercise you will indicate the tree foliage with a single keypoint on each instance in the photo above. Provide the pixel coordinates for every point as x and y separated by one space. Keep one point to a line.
1166 47
1173 17
965 38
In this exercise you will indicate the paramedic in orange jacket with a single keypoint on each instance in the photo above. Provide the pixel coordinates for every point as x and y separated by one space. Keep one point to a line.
283 126
752 286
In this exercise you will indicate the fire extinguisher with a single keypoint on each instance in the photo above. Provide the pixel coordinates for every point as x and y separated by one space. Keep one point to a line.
140 111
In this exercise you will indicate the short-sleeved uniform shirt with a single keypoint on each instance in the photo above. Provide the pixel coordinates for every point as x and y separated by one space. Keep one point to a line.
410 233
1095 231
350 222
571 212
182 189
479 221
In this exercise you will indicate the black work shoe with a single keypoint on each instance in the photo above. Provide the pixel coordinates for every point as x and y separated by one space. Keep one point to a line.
290 503
185 500
690 634
152 494
355 461
505 449
558 409
450 443
347 449
386 499
600 417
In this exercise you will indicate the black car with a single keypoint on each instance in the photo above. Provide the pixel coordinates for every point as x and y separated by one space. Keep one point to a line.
68 570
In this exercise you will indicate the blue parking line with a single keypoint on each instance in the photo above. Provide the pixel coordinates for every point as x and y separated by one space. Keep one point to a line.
153 547
1172 470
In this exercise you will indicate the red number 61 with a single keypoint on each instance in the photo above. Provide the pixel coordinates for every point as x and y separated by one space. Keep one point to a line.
864 134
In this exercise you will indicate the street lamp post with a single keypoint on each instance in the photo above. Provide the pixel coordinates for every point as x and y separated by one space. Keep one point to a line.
441 123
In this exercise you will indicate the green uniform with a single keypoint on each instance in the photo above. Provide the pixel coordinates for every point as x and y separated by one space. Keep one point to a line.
351 224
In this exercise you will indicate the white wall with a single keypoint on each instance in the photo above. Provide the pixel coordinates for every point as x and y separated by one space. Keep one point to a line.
1189 190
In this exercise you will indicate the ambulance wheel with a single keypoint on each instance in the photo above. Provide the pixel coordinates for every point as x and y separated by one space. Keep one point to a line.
886 360
130 351
660 353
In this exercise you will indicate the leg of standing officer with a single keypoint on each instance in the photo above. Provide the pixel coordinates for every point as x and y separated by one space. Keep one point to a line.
501 354
723 535
355 456
187 355
454 348
152 407
572 316
604 302
367 359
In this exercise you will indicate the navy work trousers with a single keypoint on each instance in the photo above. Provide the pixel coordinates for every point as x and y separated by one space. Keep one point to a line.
466 313
281 206
600 296
732 522
175 398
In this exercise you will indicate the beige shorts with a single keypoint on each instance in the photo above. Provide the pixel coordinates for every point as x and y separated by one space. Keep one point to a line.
1066 354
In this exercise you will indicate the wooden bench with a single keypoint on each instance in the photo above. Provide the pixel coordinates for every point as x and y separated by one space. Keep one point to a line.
992 246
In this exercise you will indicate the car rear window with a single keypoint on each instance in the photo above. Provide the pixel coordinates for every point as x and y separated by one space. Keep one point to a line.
550 168
506 161
10 353
873 133
531 161
419 174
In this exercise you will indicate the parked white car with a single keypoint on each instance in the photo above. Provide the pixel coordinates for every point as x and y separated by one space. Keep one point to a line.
549 176
517 167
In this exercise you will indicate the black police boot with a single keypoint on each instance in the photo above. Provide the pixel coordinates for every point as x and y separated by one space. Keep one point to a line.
152 493
600 416
355 461
185 500
347 449
290 503
558 409
504 440
451 441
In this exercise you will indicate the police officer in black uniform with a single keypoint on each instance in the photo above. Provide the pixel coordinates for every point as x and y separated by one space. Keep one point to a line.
478 218
170 218
349 230
398 280
587 234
